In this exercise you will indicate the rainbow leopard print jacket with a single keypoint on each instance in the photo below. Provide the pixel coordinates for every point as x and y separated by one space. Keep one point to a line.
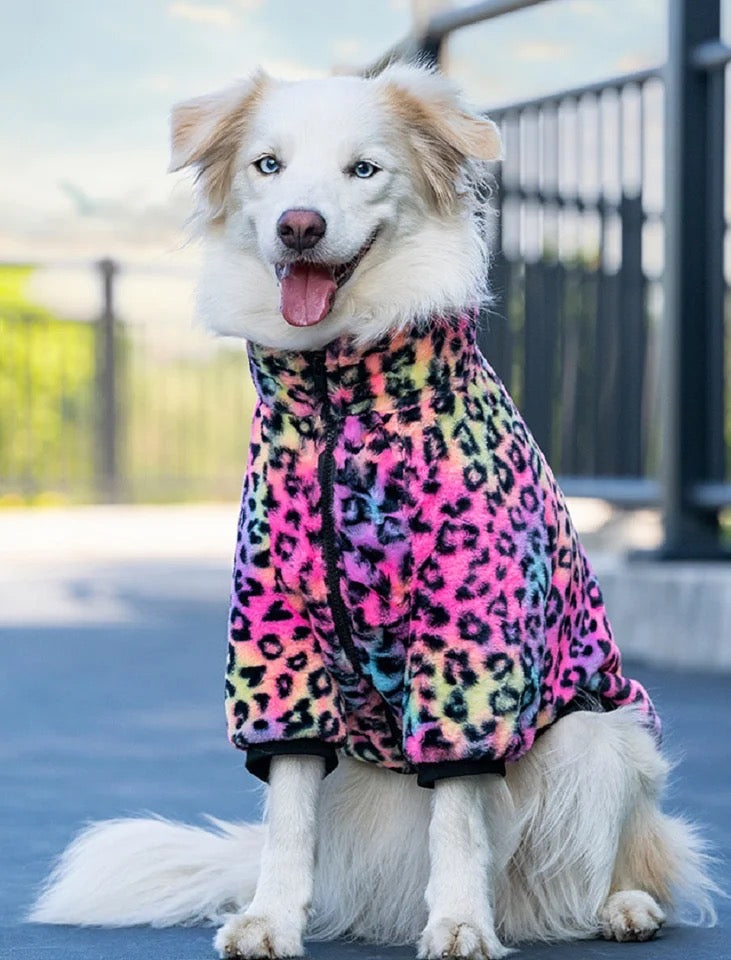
408 585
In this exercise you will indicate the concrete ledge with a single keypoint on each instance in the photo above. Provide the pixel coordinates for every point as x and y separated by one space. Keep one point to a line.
669 614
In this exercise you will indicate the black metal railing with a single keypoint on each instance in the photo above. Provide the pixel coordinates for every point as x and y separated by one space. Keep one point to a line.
572 327
608 323
615 345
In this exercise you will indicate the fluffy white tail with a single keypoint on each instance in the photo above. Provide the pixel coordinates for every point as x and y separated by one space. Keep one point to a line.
151 871
581 818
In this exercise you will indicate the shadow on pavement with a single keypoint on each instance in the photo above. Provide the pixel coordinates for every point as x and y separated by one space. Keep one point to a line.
118 714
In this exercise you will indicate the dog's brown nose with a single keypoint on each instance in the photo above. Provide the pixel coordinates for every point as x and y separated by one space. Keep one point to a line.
301 229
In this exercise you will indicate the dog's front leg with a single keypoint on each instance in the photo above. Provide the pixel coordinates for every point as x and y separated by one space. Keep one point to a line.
274 923
459 893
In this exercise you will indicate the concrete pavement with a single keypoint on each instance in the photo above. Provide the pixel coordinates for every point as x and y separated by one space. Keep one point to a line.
112 628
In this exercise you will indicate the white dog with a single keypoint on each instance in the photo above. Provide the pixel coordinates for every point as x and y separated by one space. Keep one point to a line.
378 174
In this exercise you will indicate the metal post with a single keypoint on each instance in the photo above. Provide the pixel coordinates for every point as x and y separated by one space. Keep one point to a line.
633 332
422 13
692 363
106 389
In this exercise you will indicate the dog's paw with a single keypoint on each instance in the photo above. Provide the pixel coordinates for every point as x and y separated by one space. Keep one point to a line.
467 941
631 915
245 937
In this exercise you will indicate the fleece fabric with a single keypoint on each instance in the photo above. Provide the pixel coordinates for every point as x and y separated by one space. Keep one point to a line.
408 585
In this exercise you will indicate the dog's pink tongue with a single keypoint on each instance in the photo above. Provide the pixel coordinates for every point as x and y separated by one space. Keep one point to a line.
307 291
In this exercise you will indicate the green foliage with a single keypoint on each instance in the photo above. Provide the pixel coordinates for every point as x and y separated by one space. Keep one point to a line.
183 417
46 384
185 422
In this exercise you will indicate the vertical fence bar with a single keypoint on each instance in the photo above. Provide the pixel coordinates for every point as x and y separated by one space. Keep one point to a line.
538 335
587 373
691 316
633 340
607 347
715 240
494 334
28 479
107 463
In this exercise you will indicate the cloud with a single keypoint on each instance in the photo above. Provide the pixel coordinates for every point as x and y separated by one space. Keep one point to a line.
347 48
585 7
219 15
284 69
146 227
159 82
541 50
637 60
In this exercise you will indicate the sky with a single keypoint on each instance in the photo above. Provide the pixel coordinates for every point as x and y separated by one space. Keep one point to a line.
87 88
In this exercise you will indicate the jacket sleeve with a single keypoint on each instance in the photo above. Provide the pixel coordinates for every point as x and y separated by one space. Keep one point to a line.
279 695
481 580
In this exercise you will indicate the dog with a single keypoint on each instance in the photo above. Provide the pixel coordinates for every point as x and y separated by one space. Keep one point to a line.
345 232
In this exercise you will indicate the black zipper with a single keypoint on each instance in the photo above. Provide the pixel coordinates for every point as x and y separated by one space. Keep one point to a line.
326 476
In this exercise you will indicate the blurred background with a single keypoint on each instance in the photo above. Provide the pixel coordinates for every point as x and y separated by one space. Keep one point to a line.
109 391
610 271
124 425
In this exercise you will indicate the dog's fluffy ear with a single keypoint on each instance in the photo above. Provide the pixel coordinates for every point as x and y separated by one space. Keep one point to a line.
206 132
443 133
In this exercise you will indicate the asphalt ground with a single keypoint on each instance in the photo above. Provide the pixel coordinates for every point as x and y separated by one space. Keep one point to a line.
110 705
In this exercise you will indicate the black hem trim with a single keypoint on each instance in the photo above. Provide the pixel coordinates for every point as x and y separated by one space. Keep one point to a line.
259 755
583 702
427 774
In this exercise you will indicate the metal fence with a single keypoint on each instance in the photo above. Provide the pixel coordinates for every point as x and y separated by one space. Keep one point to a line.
115 395
611 299
609 320
575 327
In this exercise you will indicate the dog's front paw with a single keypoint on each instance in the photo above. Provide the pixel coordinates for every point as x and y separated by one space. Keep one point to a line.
631 915
246 937
452 938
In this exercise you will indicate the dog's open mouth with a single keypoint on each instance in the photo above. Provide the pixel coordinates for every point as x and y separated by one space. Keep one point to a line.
307 288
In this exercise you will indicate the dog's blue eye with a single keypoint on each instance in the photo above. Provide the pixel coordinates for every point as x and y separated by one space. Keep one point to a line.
267 165
365 169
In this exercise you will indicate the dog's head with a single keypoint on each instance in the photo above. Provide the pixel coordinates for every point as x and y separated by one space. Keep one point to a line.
338 206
